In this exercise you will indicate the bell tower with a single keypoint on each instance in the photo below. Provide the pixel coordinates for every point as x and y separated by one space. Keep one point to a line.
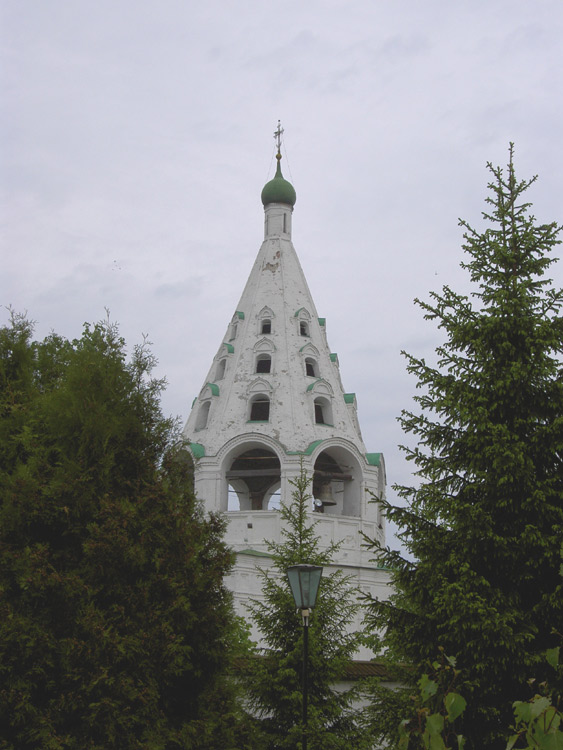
272 401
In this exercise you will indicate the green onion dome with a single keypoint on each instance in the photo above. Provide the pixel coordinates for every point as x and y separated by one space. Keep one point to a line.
278 190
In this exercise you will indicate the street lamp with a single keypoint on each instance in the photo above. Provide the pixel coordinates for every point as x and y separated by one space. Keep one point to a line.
304 581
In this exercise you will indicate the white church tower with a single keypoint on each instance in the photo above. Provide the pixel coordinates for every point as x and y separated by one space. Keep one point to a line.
273 399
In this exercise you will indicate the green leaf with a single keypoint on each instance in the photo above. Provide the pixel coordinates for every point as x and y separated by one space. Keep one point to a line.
539 704
553 717
522 711
550 741
455 705
552 656
435 723
427 687
436 742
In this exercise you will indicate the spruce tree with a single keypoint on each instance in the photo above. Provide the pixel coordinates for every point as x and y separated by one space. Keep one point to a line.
484 522
114 621
273 680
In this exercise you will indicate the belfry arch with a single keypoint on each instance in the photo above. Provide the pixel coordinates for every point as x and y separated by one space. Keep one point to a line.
337 482
254 474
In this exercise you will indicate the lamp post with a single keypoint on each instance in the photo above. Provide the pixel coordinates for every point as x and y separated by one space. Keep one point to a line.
304 582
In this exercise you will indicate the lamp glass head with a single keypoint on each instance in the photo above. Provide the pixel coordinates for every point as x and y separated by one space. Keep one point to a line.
304 581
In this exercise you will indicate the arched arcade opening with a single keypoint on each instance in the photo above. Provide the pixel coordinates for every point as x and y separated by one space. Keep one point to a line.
254 479
337 482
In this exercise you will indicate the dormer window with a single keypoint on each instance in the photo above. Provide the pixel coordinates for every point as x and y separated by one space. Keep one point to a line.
265 321
260 408
303 320
221 365
323 411
263 363
203 415
311 368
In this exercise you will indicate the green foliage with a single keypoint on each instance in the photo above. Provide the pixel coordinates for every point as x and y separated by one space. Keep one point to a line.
114 621
436 707
274 680
386 708
484 522
435 710
538 722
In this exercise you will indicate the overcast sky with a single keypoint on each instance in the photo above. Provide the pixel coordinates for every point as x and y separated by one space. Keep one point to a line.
137 136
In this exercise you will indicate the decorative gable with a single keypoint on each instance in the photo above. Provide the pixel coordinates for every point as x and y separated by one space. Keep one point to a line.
308 350
264 345
259 385
209 390
320 387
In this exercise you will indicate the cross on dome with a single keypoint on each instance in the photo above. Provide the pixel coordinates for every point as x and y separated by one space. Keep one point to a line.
277 135
278 190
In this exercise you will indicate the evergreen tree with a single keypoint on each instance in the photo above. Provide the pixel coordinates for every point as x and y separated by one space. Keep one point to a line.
114 621
484 525
273 680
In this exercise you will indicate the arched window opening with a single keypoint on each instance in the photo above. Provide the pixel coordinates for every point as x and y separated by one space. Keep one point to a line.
254 480
221 365
233 501
311 368
263 363
203 415
274 500
323 411
265 320
303 328
260 409
328 480
337 483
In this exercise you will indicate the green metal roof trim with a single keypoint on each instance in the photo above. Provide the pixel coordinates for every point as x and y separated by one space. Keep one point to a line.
322 321
350 398
197 449
307 451
296 313
253 553
214 388
240 315
373 459
334 357
278 190
230 348
193 402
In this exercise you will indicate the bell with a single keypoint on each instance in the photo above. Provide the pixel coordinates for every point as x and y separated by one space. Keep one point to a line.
324 494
